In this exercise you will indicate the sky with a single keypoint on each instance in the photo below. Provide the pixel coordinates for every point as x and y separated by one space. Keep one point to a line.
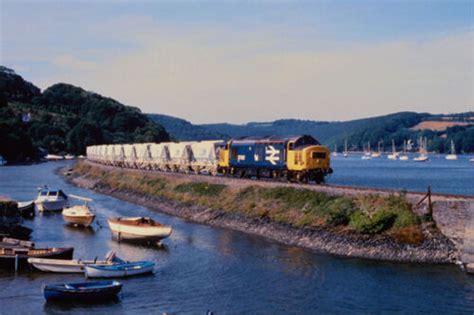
242 61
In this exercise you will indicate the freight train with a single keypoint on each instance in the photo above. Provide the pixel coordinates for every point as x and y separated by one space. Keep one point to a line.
297 158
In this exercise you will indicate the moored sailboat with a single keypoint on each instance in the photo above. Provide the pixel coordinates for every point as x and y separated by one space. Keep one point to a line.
452 156
394 154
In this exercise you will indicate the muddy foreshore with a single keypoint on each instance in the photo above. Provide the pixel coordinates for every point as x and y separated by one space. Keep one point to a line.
436 248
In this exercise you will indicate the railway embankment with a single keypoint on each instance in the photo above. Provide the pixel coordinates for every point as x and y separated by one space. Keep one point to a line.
354 222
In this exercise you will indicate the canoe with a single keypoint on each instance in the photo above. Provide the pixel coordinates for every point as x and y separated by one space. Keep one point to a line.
26 208
119 270
138 229
80 215
19 255
96 290
73 265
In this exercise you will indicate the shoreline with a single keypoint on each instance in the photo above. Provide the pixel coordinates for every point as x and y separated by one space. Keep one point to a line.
435 249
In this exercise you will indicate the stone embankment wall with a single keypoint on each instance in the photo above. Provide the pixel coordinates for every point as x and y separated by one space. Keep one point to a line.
451 215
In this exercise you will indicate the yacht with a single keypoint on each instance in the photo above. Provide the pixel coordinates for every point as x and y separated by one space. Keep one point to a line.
379 152
51 199
404 156
367 153
334 153
346 154
423 157
394 154
453 155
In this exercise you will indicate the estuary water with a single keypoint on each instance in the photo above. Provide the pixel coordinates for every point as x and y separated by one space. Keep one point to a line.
449 177
205 268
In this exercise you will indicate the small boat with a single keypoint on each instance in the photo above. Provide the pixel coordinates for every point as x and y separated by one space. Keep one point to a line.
69 157
120 270
54 157
96 290
471 160
138 229
7 242
51 199
79 215
18 256
72 265
26 208
452 156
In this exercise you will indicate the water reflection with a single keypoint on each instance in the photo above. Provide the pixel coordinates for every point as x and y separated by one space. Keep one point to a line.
86 230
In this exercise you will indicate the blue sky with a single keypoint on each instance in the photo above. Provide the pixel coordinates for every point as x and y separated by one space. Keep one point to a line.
242 61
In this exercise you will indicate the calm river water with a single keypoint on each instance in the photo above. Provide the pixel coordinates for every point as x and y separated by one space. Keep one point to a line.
204 268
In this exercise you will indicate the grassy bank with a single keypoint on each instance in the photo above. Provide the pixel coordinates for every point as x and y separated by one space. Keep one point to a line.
364 214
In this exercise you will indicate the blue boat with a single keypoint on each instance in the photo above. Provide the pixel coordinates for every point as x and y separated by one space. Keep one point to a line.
85 291
119 270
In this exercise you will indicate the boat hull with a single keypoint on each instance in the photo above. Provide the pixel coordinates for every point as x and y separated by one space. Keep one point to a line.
138 233
10 260
63 266
116 271
82 291
79 220
26 209
57 205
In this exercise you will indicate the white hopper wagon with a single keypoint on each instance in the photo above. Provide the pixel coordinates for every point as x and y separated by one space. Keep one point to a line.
159 156
205 156
110 155
143 155
180 156
130 155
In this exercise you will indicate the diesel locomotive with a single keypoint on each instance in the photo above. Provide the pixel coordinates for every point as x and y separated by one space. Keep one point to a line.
296 158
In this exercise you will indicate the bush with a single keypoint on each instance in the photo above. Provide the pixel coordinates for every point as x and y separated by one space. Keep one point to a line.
379 222
340 210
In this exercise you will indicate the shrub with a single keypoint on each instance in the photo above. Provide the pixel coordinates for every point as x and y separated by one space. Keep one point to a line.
340 210
379 222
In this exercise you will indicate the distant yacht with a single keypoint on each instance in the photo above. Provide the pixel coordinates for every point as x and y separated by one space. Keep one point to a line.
346 154
394 154
422 157
453 155
378 153
367 153
404 156
334 153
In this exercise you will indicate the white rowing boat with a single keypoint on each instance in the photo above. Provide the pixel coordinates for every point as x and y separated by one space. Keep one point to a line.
72 265
120 270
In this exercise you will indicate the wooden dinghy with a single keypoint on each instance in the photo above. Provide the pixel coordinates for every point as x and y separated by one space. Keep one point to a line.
138 229
73 265
120 270
85 291
18 257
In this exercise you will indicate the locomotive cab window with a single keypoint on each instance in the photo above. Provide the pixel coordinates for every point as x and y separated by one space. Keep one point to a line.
319 155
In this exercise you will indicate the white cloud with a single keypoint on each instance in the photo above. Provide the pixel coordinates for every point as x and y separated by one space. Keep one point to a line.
209 77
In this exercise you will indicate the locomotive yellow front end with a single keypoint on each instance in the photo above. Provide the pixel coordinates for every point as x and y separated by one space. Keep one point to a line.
309 163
